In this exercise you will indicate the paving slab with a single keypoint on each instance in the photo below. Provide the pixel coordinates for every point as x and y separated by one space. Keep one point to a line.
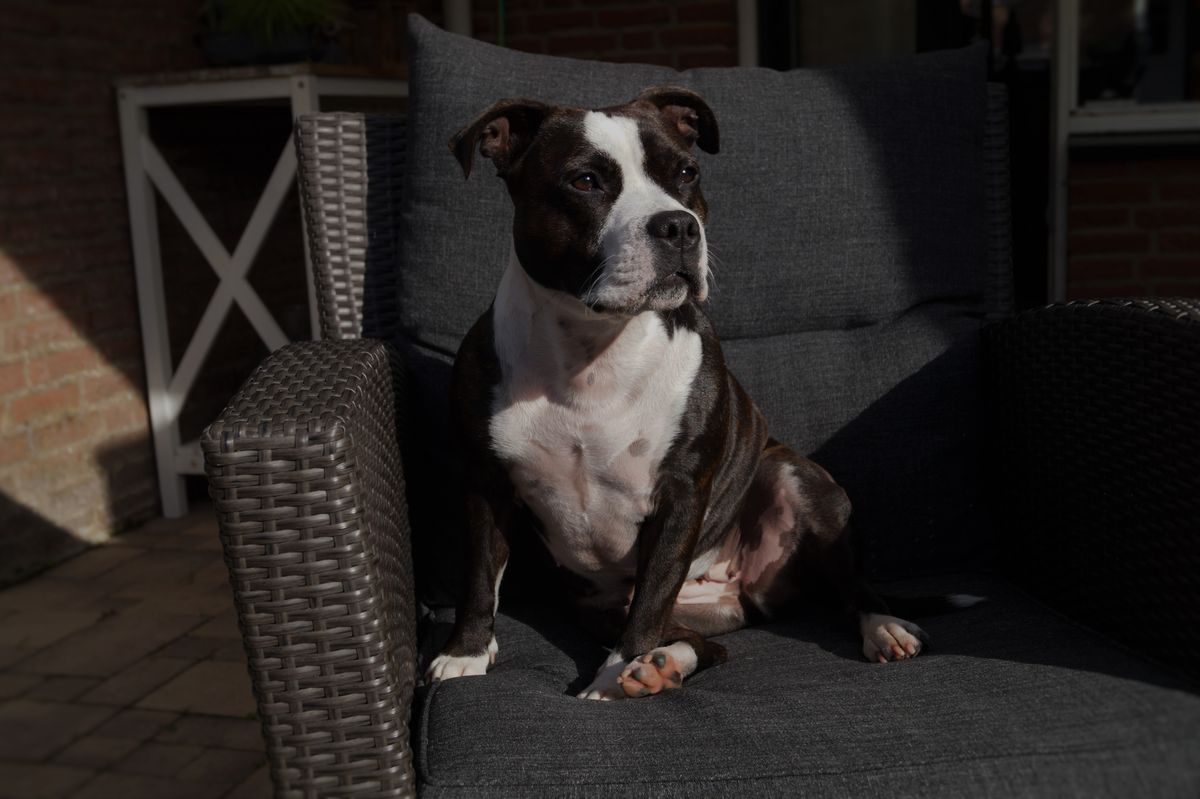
225 766
16 684
139 786
32 730
41 780
14 654
156 759
95 751
189 647
93 562
136 724
109 646
164 569
157 600
212 687
49 593
257 786
37 628
223 626
135 681
62 689
226 733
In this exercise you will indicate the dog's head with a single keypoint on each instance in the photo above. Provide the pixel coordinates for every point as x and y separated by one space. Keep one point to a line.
608 206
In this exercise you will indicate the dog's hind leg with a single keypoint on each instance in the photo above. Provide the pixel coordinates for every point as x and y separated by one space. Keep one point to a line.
795 507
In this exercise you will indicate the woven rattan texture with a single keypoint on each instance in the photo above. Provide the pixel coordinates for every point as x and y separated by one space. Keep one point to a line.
1097 411
350 171
997 205
304 470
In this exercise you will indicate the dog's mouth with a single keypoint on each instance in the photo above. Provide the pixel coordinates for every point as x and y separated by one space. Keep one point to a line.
666 291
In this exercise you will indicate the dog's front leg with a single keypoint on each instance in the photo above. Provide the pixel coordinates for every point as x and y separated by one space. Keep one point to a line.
472 646
639 666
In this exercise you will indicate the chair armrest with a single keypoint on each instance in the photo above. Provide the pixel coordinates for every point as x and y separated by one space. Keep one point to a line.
1096 431
305 475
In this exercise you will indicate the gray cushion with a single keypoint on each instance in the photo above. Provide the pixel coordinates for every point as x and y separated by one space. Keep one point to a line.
1011 700
847 222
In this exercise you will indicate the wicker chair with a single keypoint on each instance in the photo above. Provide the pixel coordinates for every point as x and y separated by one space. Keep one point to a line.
1095 421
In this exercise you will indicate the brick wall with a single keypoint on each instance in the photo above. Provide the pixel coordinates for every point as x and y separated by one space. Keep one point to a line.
75 459
1134 222
675 33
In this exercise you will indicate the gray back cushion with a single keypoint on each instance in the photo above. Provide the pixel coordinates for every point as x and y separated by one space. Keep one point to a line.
846 220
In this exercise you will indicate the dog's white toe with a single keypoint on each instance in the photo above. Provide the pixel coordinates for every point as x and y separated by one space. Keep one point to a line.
448 667
888 638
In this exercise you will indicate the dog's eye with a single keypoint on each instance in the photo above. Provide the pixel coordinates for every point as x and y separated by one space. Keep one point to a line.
586 182
688 174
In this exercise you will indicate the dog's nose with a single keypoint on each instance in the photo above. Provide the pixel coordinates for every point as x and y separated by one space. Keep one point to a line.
678 229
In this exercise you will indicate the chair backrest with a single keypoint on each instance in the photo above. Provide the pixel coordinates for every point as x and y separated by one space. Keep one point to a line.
350 175
856 328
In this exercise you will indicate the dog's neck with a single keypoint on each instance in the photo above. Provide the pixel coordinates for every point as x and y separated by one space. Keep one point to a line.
552 338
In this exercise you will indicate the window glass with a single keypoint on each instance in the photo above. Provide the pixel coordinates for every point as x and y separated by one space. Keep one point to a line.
1139 51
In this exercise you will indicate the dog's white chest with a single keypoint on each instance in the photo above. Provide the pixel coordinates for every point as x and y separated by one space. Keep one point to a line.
582 419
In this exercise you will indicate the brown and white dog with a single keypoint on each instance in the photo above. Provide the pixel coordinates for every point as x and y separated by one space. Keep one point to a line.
594 392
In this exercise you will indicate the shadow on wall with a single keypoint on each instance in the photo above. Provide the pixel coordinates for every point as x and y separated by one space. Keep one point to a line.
30 542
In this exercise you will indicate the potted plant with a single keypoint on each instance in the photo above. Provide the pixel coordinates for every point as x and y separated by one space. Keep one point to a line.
270 31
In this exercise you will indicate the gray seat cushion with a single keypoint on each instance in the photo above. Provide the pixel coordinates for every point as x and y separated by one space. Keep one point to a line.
1011 700
847 220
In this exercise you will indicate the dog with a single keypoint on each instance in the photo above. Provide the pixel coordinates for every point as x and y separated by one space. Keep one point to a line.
593 393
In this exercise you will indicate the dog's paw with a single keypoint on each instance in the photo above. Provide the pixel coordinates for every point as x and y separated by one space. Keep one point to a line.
655 671
659 669
889 638
447 667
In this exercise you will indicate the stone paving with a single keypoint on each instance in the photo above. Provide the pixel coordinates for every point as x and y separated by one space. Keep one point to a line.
122 674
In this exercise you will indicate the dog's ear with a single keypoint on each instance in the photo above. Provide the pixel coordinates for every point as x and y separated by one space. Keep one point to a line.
686 112
502 133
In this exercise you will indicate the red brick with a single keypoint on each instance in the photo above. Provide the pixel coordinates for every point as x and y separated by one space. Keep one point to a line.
54 366
1099 170
1097 218
1103 243
1179 242
555 21
1183 191
1169 167
691 37
1108 193
106 386
12 377
14 449
633 17
527 44
708 12
1097 268
1170 266
37 302
581 43
1083 291
10 307
640 40
126 417
1176 289
722 58
655 57
34 335
73 429
1167 216
43 404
